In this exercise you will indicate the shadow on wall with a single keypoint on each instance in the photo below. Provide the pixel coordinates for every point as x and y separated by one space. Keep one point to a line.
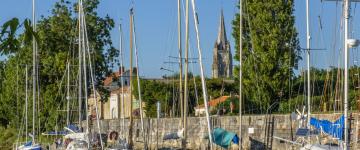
255 144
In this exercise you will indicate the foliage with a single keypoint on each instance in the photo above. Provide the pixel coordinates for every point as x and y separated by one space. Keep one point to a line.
227 106
7 137
270 51
167 92
9 43
56 38
326 86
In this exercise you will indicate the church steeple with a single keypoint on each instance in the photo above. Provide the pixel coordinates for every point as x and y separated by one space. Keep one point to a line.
221 40
222 58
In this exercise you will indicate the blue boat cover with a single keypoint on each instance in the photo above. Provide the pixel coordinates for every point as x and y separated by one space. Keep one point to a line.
335 129
74 128
171 136
223 138
28 143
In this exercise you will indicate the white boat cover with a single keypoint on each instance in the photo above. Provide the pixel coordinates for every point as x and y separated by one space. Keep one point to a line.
76 136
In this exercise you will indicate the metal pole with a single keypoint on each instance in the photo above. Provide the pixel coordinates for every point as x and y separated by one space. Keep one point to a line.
308 38
80 68
138 84
26 102
240 74
131 74
203 82
158 106
17 98
68 95
186 73
34 73
93 83
122 80
83 24
181 100
346 85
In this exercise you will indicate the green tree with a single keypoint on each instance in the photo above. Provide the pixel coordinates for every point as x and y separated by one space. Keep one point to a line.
270 51
57 44
167 92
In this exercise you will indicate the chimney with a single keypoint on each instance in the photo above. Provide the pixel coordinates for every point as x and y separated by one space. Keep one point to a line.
134 70
121 69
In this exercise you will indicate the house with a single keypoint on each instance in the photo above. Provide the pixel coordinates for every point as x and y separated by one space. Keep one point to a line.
200 110
119 96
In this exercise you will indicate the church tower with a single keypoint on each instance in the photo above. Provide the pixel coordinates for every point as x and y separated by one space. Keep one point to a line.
222 59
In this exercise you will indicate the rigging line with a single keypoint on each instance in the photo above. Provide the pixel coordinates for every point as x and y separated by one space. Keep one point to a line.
83 42
172 87
298 93
92 80
168 86
170 35
56 97
291 71
192 66
21 126
340 78
203 81
191 57
138 78
324 98
252 53
333 95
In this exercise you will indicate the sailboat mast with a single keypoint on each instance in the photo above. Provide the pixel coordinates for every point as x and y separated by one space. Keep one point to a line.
122 78
26 101
203 82
186 72
181 100
79 57
85 68
240 73
308 38
87 51
130 141
34 72
138 83
346 75
68 95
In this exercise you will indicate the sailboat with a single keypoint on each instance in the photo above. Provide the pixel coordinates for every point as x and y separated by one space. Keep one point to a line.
82 139
31 145
182 133
340 128
122 144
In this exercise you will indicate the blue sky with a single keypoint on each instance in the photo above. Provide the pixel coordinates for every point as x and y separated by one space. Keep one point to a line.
156 25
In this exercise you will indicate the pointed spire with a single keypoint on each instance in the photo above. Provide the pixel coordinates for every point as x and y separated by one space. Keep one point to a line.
221 33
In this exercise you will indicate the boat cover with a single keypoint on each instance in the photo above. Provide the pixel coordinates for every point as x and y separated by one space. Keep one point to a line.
28 143
55 133
174 136
29 146
223 138
77 136
335 129
72 127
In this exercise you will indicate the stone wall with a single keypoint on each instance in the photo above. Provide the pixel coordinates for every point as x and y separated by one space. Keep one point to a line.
197 131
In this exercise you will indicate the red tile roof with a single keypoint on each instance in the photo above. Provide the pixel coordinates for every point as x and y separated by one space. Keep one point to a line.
215 102
108 80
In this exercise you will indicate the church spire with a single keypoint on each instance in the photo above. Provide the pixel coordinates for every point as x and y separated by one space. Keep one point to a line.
221 33
222 58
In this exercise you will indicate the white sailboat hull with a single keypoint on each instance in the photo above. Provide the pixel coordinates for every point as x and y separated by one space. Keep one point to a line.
320 147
